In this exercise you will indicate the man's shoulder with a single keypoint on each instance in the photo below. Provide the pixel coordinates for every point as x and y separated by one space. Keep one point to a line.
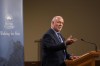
50 32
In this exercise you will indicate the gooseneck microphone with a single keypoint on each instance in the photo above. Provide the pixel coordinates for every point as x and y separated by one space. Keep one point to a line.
90 43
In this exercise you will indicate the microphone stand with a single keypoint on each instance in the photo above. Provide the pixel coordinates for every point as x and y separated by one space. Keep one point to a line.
90 43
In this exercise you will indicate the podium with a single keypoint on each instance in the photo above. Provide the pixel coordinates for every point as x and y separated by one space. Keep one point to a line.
87 59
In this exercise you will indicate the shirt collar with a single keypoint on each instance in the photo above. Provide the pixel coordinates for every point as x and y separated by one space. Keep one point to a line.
55 31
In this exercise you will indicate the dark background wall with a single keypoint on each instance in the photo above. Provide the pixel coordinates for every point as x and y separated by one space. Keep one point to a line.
82 20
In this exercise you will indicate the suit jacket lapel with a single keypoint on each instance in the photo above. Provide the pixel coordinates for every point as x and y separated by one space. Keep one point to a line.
54 36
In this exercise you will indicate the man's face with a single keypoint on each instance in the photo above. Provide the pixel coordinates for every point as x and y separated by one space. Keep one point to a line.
58 24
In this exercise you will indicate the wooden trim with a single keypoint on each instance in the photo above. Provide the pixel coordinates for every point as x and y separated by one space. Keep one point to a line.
37 63
32 63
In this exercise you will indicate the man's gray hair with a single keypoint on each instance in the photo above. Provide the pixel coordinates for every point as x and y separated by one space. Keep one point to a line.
56 18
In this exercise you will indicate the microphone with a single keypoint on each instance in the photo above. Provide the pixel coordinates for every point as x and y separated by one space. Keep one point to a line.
90 43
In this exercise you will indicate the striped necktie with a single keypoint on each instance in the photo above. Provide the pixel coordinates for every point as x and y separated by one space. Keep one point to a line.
59 37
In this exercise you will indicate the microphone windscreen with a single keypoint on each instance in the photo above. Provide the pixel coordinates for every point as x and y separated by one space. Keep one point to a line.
82 39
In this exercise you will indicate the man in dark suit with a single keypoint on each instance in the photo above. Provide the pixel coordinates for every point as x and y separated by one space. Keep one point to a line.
54 45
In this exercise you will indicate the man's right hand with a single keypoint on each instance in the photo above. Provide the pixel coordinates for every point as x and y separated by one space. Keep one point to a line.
70 40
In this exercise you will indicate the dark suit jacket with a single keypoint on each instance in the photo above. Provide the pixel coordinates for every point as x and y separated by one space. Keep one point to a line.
53 50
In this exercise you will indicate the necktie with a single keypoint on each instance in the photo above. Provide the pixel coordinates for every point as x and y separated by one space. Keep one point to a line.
59 37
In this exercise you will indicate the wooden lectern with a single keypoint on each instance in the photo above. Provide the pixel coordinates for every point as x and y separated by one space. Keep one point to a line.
87 59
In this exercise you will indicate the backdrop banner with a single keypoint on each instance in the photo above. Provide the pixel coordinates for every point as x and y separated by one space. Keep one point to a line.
11 33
